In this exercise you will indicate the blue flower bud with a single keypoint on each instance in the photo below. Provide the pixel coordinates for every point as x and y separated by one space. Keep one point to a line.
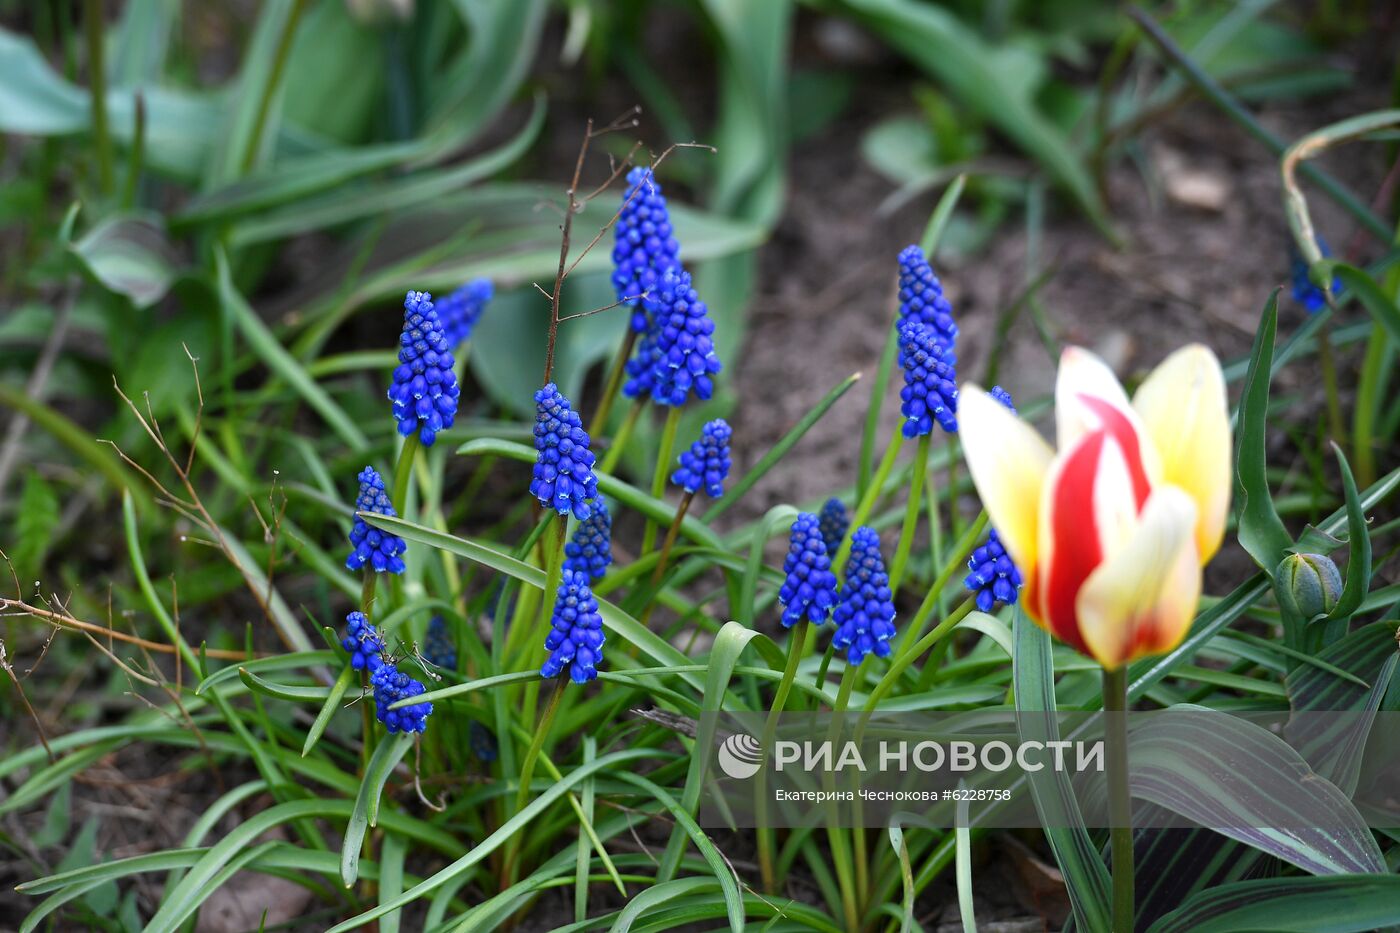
379 550
834 524
930 390
994 577
864 616
575 637
706 464
809 591
363 643
684 361
460 311
563 476
424 388
644 246
590 551
392 685
438 648
1305 292
921 299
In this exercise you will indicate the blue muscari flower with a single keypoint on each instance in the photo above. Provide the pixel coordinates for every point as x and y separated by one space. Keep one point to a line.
834 524
684 359
810 588
438 647
575 638
483 742
706 463
424 390
1003 396
459 311
363 643
590 551
930 390
865 615
392 685
379 549
563 478
921 299
641 368
994 578
643 246
1304 291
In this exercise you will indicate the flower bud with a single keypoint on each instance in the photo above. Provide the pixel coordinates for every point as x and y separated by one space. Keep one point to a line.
1309 584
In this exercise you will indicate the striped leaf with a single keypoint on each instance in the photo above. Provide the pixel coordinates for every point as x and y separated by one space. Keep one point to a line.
1336 904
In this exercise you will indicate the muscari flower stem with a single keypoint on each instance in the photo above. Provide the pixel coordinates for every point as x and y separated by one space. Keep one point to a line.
867 501
624 433
666 545
796 649
527 767
663 470
553 575
840 853
961 550
1120 811
911 514
611 387
403 472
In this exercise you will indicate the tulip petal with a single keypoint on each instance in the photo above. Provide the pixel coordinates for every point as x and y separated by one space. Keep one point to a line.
1089 397
1185 413
1141 599
1089 510
1008 461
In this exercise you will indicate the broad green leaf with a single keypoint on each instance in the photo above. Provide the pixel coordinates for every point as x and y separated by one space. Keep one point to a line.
387 755
1265 791
129 255
1261 531
1358 579
1085 875
1352 903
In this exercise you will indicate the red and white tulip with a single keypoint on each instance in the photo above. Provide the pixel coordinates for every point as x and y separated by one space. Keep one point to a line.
1111 530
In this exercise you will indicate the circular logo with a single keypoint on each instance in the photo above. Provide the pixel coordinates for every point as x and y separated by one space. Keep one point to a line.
740 756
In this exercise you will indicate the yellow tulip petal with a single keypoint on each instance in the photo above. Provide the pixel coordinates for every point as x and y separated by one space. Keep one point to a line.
1141 600
1185 413
1008 461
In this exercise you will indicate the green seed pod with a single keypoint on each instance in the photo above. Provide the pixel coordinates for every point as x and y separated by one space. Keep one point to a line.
1308 584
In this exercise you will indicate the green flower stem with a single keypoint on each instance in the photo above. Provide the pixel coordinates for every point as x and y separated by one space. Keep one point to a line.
826 662
663 469
1363 426
97 80
274 80
666 545
403 473
1325 357
961 550
953 522
911 514
867 501
619 442
614 383
527 772
366 704
909 656
1120 811
796 649
840 854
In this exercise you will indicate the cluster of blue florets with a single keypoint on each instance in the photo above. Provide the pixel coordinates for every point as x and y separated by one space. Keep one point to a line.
1305 292
930 390
368 653
438 648
379 550
809 590
994 577
424 390
392 685
644 246
575 638
641 368
459 311
590 550
864 616
683 357
921 299
563 477
363 643
706 464
834 524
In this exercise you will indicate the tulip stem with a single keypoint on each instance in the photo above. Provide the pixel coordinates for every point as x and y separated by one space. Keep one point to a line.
1120 810
619 365
617 444
663 466
867 501
911 515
